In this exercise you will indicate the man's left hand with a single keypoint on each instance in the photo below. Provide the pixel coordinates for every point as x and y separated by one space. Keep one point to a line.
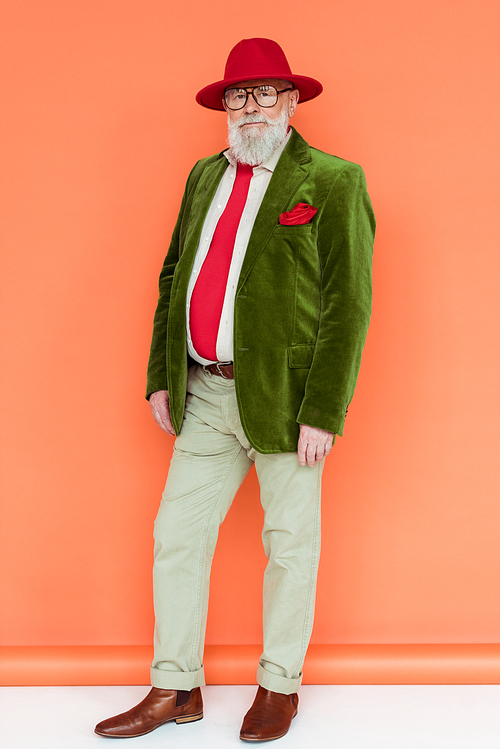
313 445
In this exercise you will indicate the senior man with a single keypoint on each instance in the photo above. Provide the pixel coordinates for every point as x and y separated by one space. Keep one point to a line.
265 299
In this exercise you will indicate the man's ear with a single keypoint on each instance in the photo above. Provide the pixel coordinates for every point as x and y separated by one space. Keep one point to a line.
293 101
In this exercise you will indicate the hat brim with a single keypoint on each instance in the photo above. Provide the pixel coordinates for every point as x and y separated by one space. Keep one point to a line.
211 96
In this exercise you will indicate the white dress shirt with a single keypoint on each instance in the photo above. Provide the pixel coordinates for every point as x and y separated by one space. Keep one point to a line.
258 185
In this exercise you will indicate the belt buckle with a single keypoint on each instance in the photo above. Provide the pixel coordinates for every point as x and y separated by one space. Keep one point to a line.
219 370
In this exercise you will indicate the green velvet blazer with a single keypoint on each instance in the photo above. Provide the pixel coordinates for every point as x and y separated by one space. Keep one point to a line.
302 305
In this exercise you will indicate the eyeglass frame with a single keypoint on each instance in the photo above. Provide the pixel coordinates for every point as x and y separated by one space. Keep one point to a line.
250 90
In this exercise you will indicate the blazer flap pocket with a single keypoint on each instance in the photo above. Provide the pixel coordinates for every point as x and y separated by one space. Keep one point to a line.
293 229
301 355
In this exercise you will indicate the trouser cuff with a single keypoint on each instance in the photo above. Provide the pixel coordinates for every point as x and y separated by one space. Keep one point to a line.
185 680
275 683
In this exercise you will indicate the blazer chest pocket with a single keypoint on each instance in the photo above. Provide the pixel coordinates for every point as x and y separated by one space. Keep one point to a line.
297 229
300 356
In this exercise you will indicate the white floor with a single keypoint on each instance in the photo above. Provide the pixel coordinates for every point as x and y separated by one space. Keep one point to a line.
341 717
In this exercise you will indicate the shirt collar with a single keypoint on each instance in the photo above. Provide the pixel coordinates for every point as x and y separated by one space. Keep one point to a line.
270 164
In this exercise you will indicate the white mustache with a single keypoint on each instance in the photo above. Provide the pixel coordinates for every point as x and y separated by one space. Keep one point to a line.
248 118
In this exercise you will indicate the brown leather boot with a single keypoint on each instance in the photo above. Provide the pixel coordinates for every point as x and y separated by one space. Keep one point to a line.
270 716
159 706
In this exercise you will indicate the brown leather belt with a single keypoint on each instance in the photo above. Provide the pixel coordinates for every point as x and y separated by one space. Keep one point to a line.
221 370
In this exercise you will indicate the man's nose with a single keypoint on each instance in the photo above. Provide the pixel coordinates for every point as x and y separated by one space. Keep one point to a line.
251 106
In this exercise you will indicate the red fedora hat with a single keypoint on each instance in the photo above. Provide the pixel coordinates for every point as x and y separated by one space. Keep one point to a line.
253 59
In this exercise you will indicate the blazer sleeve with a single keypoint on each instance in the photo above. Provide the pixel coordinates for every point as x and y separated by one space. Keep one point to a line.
157 365
346 230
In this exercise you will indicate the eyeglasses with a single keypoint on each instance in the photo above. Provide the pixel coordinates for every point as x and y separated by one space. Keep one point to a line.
264 96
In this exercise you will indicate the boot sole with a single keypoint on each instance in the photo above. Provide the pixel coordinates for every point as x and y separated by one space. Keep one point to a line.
189 718
182 719
260 741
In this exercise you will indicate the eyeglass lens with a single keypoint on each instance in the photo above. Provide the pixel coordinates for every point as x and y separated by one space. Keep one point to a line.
265 96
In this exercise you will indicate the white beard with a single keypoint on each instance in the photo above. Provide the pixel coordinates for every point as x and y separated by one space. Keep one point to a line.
255 145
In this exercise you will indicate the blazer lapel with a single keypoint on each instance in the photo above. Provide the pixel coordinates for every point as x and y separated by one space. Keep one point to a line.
203 196
291 170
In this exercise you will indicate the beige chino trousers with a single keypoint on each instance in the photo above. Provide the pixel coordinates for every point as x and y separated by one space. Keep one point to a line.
211 458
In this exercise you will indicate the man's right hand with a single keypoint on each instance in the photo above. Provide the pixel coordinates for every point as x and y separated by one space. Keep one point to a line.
160 407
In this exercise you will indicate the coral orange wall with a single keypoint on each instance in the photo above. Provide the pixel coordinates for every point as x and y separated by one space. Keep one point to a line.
99 131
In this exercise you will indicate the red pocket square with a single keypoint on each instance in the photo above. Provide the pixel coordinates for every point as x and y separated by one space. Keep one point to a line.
302 213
